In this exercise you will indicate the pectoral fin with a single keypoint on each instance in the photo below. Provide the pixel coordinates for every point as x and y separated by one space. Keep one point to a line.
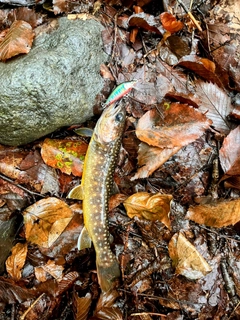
76 193
84 240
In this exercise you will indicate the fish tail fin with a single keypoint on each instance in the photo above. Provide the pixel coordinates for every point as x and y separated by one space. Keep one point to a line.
108 274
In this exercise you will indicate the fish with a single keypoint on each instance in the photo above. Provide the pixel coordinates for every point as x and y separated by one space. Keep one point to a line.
95 190
120 91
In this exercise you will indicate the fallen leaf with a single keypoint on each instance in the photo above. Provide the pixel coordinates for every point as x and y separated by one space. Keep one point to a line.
81 306
205 68
150 207
106 309
186 259
60 6
45 220
177 126
18 40
50 267
170 22
16 261
146 22
229 154
215 104
65 155
218 215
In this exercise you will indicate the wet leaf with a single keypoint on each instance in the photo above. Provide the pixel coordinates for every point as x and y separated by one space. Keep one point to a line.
216 104
186 259
150 207
146 22
178 126
50 267
205 68
218 215
170 22
65 155
105 309
81 306
16 261
45 220
229 154
18 40
11 293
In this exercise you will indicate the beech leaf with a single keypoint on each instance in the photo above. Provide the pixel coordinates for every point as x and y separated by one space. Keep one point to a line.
16 261
186 259
45 220
65 155
18 40
150 207
218 215
179 125
81 306
216 104
106 309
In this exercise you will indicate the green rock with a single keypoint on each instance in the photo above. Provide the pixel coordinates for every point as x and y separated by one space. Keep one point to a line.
54 85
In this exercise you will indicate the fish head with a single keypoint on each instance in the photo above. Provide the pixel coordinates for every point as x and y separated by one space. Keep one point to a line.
111 124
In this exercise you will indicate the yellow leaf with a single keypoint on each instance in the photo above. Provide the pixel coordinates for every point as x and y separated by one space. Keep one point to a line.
46 220
186 259
151 207
16 261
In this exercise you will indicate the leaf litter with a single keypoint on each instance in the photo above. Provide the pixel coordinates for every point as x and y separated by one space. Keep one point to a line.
177 235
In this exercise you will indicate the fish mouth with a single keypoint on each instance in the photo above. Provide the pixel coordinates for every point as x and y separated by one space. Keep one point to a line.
115 108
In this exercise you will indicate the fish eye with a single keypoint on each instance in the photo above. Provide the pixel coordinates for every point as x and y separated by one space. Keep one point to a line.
119 117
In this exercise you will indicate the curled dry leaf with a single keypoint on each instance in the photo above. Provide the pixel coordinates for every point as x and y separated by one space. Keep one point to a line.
50 267
186 259
18 40
45 220
65 155
218 215
150 207
170 22
16 261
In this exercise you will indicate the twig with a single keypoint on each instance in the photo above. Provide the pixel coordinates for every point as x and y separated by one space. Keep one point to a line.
190 15
26 312
3 177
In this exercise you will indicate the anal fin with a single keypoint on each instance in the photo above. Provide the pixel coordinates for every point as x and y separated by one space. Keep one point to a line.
84 240
76 193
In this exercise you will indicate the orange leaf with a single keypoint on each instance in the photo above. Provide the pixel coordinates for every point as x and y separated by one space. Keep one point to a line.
65 155
16 261
218 215
18 40
170 23
186 259
133 35
45 220
150 207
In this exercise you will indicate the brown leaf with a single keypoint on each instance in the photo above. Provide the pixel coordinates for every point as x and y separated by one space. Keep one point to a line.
218 215
16 261
216 104
65 155
229 154
50 267
81 306
151 158
18 40
203 67
11 293
105 309
60 6
178 126
150 207
186 259
170 22
146 22
46 220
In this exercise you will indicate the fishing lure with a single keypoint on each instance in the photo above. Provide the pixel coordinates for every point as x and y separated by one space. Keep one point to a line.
120 91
